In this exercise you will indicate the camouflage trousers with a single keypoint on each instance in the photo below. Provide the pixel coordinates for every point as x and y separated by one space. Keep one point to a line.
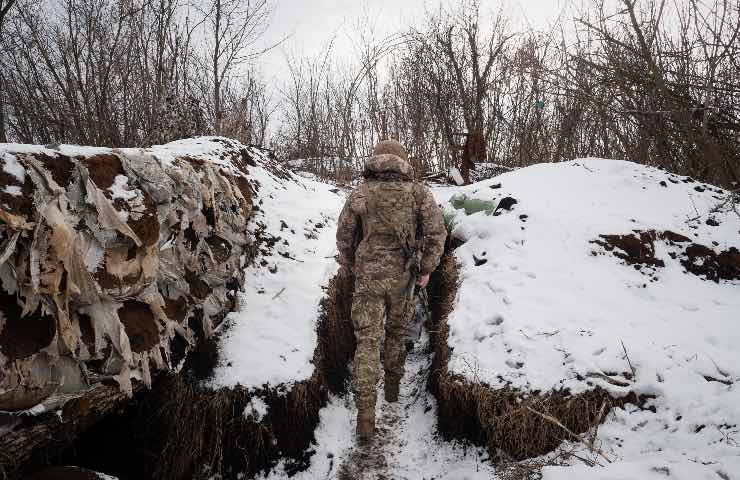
373 302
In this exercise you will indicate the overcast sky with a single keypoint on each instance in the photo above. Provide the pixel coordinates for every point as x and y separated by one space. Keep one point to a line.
310 24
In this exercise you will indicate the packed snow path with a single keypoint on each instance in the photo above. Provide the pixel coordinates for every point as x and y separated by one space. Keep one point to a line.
406 445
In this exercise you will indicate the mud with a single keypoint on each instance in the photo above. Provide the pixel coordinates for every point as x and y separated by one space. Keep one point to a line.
176 309
60 167
220 247
638 249
103 169
191 238
146 227
22 337
105 279
140 324
88 334
198 288
705 262
336 338
245 189
64 473
16 204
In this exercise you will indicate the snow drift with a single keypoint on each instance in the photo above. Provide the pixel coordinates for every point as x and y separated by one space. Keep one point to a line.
601 275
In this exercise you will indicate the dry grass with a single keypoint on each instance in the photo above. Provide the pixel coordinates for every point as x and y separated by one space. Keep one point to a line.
336 338
204 432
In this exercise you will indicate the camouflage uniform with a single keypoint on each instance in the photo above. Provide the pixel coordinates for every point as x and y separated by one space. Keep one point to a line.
377 228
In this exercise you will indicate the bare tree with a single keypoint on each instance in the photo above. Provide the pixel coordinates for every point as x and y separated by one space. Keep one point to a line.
5 6
233 28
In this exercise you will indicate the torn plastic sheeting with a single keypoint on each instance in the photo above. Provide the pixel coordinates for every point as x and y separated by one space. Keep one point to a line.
472 205
97 264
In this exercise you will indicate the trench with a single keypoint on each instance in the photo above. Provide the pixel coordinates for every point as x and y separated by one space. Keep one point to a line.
180 429
504 420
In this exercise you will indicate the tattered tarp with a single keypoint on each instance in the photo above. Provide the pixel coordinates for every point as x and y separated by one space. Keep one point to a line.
114 261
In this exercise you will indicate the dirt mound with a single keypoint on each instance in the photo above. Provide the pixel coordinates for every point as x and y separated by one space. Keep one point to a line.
638 249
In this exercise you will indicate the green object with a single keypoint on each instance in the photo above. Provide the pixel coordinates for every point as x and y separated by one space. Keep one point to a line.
540 104
473 205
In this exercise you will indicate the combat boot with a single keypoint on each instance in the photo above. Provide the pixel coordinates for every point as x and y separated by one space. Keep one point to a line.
365 427
391 391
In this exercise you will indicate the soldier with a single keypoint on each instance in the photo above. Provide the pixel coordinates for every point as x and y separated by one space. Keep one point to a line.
390 236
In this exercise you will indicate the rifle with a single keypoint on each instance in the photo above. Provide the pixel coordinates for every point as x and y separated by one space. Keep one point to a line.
413 265
420 317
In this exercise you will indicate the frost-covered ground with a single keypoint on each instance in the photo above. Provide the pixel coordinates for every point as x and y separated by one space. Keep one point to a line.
271 339
542 307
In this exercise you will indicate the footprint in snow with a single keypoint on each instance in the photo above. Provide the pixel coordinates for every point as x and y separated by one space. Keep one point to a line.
512 364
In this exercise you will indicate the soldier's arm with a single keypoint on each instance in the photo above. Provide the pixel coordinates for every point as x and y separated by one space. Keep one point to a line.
347 227
435 233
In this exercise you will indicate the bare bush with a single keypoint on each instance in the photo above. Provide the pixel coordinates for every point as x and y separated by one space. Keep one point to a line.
651 82
109 73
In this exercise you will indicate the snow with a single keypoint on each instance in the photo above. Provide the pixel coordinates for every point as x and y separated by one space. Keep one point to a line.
13 190
256 408
205 148
542 312
271 340
536 310
212 149
120 189
456 176
406 447
13 167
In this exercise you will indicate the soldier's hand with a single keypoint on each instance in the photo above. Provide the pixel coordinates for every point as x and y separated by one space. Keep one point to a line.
422 280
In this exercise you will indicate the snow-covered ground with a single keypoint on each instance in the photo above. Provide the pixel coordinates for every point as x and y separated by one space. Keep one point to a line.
541 307
271 339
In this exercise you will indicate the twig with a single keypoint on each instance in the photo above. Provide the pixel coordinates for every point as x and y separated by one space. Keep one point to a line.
555 421
628 360
588 462
279 293
598 421
698 215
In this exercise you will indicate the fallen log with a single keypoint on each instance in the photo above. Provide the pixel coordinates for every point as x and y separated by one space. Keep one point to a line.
34 439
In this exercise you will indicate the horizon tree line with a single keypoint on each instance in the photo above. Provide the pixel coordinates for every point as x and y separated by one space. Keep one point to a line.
650 81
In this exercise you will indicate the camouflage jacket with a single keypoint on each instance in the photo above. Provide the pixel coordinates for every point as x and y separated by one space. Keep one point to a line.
371 250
